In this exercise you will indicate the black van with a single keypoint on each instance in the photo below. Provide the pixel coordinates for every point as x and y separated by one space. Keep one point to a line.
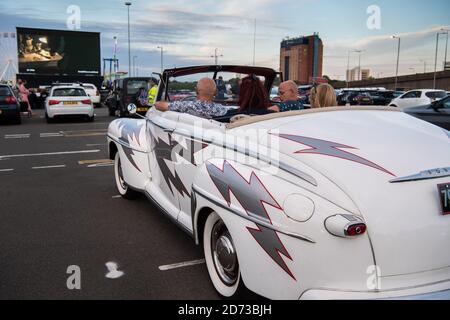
126 91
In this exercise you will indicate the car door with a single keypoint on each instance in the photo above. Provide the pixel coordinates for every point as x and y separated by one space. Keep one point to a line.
409 99
443 113
165 185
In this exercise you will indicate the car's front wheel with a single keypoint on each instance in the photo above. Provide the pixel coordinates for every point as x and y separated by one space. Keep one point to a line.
122 187
221 258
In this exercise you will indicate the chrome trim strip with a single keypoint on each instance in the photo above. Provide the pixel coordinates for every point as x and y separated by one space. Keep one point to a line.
285 167
425 175
243 215
126 145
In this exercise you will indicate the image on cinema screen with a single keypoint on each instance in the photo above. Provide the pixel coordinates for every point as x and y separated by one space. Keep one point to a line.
58 52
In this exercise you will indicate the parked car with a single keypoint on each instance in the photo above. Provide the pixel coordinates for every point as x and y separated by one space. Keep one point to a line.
126 91
384 97
437 112
9 105
66 101
290 209
354 98
93 93
416 98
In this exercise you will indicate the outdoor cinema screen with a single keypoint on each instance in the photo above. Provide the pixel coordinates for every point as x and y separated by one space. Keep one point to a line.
56 52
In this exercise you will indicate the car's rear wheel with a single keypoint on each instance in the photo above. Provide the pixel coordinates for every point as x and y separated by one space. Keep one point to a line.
48 119
221 258
122 187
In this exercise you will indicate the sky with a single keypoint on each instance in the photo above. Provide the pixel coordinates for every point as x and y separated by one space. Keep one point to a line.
191 30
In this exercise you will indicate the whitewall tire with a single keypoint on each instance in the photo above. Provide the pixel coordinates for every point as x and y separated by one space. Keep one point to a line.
221 258
124 190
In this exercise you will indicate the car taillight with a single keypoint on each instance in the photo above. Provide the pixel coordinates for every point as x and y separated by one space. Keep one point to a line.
53 102
354 230
345 225
86 101
11 100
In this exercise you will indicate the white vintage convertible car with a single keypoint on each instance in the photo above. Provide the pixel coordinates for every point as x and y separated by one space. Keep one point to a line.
336 203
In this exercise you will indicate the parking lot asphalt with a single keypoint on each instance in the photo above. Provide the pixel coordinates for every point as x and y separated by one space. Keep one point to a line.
59 207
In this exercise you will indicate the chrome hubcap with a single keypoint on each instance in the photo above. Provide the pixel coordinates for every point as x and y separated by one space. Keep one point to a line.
224 254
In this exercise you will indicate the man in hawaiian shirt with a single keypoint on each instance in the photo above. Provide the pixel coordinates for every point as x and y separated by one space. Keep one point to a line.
288 92
203 107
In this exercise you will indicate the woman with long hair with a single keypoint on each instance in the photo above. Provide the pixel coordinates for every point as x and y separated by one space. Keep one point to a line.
323 96
253 98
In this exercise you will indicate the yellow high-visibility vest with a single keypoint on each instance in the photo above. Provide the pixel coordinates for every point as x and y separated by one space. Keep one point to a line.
152 94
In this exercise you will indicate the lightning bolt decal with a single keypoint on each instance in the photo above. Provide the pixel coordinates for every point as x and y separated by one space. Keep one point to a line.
129 133
251 195
332 149
167 152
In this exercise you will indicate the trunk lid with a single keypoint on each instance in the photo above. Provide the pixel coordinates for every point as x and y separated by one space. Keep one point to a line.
362 151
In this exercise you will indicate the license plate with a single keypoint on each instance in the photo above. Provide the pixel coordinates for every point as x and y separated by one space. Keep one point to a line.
70 103
142 109
444 194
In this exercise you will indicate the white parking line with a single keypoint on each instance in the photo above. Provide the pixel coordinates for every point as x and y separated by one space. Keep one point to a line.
47 154
51 135
49 167
117 197
181 265
100 165
96 145
17 136
6 170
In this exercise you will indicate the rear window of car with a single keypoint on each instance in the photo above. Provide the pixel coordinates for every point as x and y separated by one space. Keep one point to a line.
134 86
69 92
436 94
4 91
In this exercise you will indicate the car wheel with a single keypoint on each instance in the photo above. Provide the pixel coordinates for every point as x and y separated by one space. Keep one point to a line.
122 187
221 258
393 106
18 119
48 119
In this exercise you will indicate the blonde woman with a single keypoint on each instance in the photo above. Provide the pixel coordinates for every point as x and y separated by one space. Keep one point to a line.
323 96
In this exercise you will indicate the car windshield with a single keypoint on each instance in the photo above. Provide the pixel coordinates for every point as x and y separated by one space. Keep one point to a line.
4 91
228 86
69 92
134 86
436 94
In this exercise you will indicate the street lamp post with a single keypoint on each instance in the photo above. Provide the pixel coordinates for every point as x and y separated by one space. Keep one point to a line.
435 58
446 47
128 4
134 65
162 58
398 60
424 66
359 63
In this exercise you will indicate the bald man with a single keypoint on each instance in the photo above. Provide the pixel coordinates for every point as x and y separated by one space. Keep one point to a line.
288 92
203 107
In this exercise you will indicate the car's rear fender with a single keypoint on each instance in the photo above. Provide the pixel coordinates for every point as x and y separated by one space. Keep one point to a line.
279 257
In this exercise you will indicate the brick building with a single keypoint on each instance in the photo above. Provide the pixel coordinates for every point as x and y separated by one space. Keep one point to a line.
301 59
